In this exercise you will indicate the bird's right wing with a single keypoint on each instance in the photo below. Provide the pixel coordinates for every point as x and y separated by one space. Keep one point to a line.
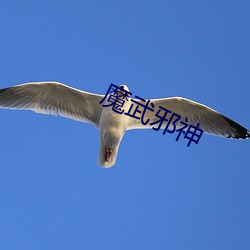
55 99
211 121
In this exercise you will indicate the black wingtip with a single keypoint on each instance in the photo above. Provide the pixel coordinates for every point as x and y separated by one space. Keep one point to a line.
239 131
3 90
248 134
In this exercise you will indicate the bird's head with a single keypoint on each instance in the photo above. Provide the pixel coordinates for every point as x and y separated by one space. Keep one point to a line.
124 87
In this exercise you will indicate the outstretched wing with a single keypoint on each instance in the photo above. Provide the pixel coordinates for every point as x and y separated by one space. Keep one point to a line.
211 121
55 99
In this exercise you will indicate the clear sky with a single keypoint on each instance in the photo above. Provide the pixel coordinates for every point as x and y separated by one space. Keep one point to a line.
160 194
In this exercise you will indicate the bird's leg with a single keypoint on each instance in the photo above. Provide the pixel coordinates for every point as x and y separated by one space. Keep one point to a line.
108 154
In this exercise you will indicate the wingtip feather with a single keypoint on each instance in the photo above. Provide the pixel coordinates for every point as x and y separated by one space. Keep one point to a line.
239 131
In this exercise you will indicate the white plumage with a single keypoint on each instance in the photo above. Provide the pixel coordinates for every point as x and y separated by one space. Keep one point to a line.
58 99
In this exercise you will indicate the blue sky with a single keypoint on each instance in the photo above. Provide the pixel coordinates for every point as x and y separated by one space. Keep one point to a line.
160 194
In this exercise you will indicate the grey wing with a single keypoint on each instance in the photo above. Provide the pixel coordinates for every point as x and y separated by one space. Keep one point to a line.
53 98
211 121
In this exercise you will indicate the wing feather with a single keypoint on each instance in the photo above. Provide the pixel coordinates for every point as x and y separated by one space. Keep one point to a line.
211 121
53 98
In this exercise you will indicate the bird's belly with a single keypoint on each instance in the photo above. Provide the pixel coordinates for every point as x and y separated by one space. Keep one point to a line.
112 125
111 119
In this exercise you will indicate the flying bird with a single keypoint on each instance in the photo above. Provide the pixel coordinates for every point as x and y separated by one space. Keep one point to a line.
55 98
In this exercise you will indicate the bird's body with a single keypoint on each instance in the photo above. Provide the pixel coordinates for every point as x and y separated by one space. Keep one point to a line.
59 99
112 127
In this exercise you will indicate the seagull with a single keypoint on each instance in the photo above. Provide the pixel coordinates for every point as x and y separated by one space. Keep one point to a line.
55 98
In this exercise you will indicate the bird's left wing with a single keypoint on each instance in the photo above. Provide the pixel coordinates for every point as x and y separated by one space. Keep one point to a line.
53 98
